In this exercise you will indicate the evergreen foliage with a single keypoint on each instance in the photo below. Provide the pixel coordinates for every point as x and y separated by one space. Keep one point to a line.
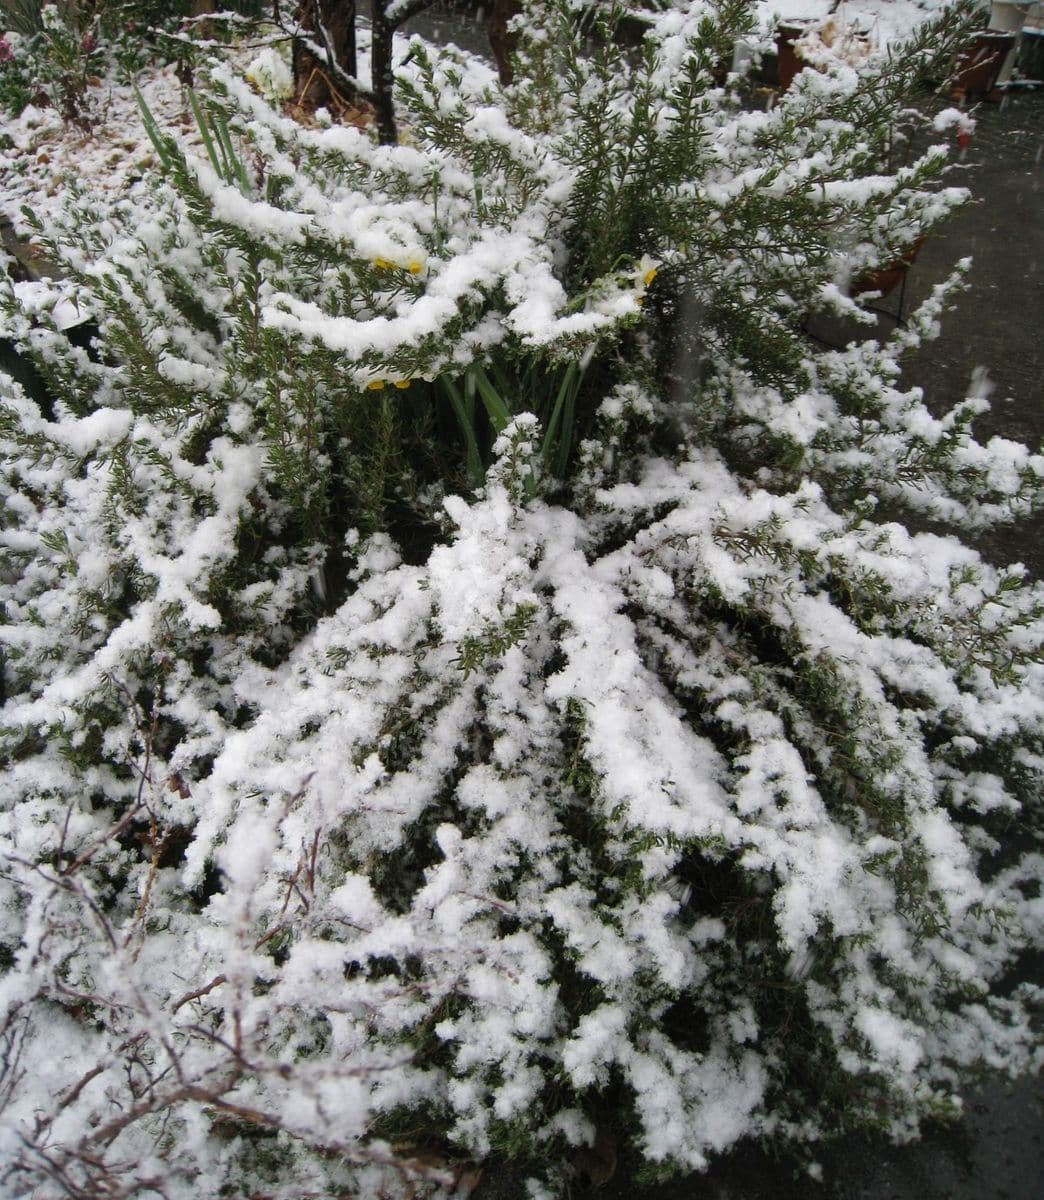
56 53
460 680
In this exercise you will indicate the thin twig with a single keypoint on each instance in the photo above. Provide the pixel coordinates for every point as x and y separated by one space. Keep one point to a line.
188 997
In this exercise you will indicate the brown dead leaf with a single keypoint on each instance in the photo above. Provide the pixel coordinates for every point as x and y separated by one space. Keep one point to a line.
301 115
175 783
598 1161
469 1177
358 118
459 1179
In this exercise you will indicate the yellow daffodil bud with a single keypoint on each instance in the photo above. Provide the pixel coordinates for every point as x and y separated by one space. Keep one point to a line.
383 264
375 385
646 270
402 384
414 267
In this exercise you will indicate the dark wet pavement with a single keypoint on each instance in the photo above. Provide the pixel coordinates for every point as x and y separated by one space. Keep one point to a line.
994 1153
999 322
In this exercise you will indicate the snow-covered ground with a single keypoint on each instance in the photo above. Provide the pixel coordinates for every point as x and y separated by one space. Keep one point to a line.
884 20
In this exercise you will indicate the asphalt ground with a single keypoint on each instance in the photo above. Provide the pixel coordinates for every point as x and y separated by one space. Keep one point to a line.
997 324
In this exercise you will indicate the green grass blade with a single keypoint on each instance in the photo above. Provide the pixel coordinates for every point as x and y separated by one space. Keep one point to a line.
568 385
469 397
500 379
236 172
565 440
152 130
208 143
474 460
499 413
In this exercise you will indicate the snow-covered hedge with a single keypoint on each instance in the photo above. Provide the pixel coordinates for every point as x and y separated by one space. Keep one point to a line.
659 781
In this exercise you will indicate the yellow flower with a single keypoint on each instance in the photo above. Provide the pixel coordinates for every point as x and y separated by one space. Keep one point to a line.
414 265
375 385
401 384
647 270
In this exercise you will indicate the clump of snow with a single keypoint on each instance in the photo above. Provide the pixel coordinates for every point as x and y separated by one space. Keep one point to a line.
270 73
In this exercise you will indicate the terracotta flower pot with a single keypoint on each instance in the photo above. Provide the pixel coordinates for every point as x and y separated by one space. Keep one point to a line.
885 278
979 64
790 62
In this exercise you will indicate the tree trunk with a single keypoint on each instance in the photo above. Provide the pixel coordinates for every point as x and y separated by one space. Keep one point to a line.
200 8
315 84
383 75
501 42
381 64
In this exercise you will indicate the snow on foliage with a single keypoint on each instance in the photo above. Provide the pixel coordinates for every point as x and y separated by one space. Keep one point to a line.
464 671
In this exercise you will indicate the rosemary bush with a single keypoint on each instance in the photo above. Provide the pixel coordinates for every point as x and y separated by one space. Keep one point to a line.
459 682
60 52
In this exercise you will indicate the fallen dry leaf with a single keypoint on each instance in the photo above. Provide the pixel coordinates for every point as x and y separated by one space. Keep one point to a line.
598 1161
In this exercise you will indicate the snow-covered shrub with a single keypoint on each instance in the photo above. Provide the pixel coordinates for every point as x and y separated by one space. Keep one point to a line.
59 53
17 74
659 782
